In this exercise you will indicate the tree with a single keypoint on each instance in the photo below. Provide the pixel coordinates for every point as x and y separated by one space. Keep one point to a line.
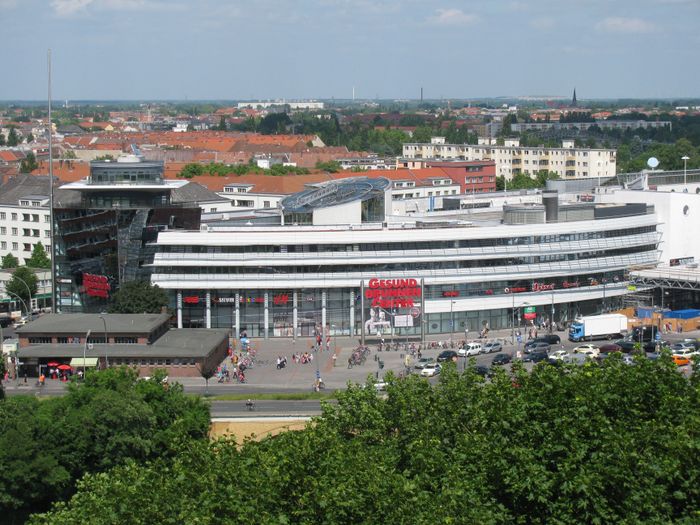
9 261
108 420
2 139
274 123
136 297
23 284
30 138
12 137
607 443
331 166
222 124
39 258
28 163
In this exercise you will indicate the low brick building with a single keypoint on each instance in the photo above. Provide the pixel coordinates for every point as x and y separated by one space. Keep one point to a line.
142 341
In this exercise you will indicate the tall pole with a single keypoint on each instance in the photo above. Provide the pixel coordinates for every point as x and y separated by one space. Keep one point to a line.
551 317
54 292
87 336
106 358
452 321
512 320
685 159
29 312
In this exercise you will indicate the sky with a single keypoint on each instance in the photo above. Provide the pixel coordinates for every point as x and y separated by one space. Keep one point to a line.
388 49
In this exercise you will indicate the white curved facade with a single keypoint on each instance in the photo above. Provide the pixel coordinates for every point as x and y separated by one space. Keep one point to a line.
277 281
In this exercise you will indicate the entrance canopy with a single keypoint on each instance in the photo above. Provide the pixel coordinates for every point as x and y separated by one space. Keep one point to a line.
77 362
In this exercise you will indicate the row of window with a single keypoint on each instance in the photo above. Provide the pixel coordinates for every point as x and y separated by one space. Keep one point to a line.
153 362
73 340
27 247
412 246
26 217
401 266
25 231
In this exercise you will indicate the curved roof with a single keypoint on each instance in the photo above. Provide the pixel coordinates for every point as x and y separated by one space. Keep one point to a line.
335 192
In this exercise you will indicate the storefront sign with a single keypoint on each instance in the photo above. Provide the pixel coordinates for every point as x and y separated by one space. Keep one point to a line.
568 284
393 293
280 299
515 289
96 285
542 287
225 300
529 312
451 293
190 299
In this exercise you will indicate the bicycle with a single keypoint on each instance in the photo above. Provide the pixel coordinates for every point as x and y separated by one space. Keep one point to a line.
250 405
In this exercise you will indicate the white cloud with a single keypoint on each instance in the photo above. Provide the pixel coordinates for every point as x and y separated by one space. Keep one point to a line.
67 8
619 24
452 17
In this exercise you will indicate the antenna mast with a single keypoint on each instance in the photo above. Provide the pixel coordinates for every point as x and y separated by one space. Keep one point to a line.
54 294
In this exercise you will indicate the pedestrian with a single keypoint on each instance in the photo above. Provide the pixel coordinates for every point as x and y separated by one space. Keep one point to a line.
334 358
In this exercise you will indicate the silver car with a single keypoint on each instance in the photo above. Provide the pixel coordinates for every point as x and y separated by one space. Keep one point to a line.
492 346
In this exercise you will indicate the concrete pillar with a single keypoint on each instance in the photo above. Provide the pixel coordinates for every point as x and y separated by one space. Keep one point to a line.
352 313
295 314
323 313
237 320
208 308
266 323
178 305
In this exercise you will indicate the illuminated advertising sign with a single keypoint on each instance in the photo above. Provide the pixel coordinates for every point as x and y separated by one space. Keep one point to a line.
392 293
96 285
451 293
542 287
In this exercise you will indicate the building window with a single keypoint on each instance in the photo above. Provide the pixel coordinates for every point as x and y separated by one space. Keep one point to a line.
15 246
27 247
35 217
3 245
266 204
35 233
14 216
39 340
47 233
47 218
26 217
24 203
26 232
3 230
126 340
3 215
14 231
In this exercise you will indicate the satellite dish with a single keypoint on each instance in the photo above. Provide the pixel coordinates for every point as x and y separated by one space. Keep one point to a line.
653 162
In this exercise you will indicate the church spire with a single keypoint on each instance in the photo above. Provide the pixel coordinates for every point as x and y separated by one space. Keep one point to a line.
573 100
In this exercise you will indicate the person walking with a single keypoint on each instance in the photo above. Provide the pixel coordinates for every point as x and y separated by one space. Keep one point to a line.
334 358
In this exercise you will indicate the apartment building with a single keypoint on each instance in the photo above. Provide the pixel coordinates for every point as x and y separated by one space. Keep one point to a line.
583 126
513 159
24 216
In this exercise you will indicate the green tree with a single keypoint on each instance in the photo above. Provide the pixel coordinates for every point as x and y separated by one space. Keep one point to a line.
39 258
606 443
28 163
69 154
12 137
274 123
23 283
422 134
2 139
30 138
103 158
222 124
331 166
9 261
136 297
191 170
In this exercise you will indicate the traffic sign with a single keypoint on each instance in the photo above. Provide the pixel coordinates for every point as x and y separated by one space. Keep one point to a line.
658 336
415 311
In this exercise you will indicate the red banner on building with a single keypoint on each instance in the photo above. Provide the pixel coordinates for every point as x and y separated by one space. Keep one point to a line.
96 285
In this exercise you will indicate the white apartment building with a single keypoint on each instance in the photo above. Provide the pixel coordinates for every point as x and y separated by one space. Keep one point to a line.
512 159
24 216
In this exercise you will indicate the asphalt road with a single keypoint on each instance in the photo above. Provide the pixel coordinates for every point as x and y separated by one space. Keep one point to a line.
226 409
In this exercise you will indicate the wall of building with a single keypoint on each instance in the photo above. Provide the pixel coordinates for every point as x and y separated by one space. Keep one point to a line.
21 228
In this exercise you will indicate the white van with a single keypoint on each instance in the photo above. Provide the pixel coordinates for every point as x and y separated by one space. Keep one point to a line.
471 349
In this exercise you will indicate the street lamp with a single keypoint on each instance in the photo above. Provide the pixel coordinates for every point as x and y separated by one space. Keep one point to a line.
512 330
685 159
87 336
105 325
18 297
452 321
29 311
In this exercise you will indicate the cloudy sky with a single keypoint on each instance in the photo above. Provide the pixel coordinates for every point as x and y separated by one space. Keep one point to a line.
241 49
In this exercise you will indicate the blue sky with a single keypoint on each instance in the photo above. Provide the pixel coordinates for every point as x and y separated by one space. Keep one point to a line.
240 49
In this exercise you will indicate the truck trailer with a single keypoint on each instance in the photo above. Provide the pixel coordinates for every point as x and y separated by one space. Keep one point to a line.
607 326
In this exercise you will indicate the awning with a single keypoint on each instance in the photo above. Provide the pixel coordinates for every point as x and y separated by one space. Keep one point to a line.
77 362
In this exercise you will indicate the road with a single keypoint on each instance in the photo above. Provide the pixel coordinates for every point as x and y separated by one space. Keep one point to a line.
227 409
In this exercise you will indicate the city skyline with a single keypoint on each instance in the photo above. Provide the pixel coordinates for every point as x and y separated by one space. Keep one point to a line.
213 50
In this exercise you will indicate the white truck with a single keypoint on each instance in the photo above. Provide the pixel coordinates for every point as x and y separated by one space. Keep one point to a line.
607 326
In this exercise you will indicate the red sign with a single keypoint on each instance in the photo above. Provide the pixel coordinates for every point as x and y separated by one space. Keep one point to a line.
542 287
451 293
567 284
516 289
280 299
96 285
393 293
190 299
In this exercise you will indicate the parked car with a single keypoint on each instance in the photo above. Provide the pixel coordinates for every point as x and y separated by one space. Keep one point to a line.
482 370
538 347
680 360
501 359
609 348
430 370
686 352
558 355
446 355
536 356
588 352
19 322
492 346
470 349
625 344
682 345
420 364
552 339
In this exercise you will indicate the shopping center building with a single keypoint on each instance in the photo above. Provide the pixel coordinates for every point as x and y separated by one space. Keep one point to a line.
333 256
